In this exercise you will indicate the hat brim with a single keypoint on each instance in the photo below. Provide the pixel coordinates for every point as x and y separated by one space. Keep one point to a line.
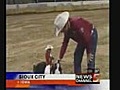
48 48
57 31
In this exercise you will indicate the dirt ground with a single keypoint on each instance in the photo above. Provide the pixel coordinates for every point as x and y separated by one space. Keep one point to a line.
28 35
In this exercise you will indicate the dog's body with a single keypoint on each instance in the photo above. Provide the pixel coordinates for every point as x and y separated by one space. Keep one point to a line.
57 69
42 68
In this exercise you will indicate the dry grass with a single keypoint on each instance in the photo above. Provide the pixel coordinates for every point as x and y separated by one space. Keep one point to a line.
28 35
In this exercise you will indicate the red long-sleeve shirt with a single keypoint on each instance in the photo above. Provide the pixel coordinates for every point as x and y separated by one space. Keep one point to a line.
80 31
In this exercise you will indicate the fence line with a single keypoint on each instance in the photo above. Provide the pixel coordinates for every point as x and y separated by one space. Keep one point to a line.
54 6
40 1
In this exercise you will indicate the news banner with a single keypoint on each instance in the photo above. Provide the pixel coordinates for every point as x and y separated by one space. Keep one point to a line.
27 79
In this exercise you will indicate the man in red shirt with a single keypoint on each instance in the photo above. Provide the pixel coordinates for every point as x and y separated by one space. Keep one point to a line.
82 32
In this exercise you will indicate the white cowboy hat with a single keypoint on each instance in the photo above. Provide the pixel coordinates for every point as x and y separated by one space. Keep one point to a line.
49 47
60 22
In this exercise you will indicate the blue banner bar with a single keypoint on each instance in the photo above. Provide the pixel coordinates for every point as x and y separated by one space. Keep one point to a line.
12 75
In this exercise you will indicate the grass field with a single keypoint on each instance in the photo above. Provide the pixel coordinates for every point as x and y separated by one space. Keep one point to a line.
28 35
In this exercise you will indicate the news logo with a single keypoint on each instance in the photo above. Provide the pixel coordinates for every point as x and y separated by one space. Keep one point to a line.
92 77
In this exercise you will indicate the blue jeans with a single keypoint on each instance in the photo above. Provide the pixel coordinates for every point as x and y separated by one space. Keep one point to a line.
79 51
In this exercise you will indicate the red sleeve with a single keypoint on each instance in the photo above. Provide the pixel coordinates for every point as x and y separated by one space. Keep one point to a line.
47 56
64 46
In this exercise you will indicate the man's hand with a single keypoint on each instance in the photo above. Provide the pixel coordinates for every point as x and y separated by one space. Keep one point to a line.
59 60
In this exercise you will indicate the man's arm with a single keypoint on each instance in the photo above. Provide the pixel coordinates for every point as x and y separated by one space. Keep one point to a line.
64 46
